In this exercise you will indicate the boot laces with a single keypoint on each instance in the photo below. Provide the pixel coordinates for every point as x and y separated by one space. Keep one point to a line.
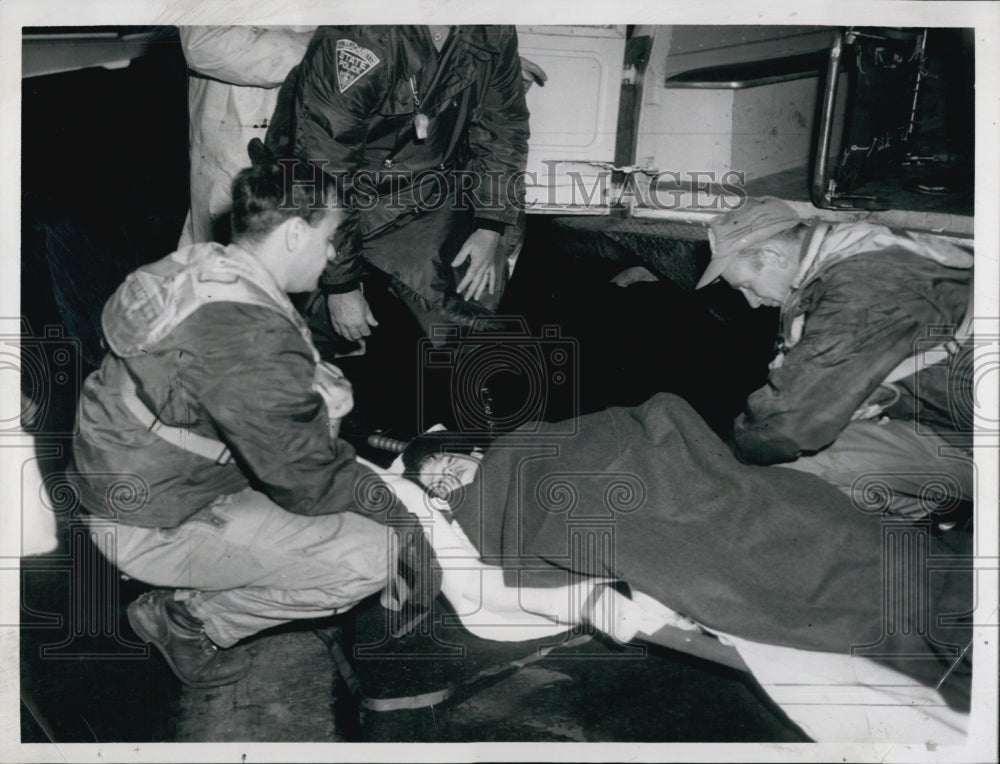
208 647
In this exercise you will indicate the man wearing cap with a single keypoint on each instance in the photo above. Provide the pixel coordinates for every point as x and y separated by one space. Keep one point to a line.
866 389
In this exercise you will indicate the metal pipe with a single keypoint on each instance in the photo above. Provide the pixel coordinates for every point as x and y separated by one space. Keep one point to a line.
819 192
920 54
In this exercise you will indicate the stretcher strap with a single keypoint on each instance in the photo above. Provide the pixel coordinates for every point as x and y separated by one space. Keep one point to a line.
426 699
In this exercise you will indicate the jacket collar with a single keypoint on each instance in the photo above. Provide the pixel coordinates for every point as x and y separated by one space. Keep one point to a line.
811 244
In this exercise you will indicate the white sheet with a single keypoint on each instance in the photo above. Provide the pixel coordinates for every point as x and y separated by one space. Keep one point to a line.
849 699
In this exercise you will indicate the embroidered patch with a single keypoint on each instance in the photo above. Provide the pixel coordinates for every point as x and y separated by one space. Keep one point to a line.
353 63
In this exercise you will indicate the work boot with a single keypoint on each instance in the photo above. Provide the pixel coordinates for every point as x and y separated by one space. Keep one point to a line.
168 624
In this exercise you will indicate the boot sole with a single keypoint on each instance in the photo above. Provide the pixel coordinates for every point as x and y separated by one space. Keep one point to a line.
135 621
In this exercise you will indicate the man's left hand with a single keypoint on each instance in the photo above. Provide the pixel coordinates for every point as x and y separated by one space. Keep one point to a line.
480 249
532 73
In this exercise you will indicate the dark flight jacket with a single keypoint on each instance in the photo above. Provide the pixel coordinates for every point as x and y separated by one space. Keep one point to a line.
355 97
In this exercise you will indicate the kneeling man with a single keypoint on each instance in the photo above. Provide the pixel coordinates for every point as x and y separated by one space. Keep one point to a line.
214 400
853 395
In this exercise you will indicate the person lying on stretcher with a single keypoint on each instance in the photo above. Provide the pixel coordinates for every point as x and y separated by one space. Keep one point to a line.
652 497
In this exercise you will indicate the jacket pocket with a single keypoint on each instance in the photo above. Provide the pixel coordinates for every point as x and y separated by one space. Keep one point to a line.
399 103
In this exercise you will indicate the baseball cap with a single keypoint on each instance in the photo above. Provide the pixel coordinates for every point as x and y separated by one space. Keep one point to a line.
739 230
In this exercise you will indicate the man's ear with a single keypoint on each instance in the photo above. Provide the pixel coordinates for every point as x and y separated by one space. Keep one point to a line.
774 255
294 231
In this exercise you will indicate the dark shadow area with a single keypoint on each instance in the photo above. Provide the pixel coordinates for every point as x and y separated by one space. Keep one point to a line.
104 190
103 183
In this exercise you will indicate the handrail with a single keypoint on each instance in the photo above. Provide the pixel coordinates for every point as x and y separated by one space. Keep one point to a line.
751 74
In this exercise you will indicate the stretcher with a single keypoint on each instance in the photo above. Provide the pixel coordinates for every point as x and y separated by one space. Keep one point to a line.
831 697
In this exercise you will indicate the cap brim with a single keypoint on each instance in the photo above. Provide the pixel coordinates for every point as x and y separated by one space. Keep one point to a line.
716 267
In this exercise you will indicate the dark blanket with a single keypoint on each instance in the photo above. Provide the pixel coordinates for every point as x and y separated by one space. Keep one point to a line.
651 495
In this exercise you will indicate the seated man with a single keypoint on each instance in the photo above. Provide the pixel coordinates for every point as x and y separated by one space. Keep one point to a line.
411 113
651 496
430 126
213 401
847 398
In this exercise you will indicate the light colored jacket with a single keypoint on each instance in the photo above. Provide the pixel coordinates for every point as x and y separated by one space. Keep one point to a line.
210 344
235 76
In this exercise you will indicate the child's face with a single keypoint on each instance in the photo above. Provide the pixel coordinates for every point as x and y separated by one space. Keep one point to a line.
441 474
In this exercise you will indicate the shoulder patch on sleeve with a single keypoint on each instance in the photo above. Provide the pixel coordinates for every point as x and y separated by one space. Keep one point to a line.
353 63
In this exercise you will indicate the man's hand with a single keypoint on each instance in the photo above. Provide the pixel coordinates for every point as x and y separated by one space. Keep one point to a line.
350 315
532 73
337 393
480 249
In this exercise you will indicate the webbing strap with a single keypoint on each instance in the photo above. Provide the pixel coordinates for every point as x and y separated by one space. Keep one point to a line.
181 437
914 363
910 365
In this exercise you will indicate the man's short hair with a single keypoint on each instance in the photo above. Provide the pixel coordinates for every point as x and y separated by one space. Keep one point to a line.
266 195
